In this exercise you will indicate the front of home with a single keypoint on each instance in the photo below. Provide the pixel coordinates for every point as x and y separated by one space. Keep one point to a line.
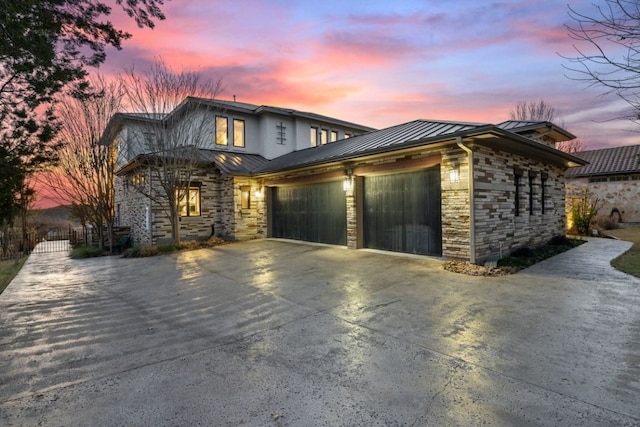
448 189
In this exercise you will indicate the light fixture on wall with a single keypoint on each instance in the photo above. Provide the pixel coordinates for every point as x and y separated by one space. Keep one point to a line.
454 174
347 185
258 193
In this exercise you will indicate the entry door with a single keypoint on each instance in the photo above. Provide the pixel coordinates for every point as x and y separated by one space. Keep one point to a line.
402 212
312 212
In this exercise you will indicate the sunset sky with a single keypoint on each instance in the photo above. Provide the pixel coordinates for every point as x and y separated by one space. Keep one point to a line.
381 63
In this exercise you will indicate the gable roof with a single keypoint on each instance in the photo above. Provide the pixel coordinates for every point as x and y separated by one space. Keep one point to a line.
608 161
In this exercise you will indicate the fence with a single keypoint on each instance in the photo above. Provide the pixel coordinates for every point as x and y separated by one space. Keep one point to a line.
15 244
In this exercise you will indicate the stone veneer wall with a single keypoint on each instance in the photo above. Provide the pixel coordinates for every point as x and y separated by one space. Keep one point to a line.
455 205
132 210
621 195
220 210
193 227
498 230
238 223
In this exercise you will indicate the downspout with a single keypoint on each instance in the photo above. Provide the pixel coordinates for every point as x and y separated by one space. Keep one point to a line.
472 203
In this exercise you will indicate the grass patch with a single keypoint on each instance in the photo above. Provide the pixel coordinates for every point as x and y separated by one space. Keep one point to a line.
80 252
628 262
526 257
8 270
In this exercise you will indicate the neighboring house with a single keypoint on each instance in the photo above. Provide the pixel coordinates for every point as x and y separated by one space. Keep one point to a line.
613 176
459 190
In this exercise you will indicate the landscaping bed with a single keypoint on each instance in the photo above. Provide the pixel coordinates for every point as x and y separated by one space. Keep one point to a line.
519 259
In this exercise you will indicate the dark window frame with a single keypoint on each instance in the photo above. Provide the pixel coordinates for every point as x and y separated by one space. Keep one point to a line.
543 183
195 186
517 174
532 177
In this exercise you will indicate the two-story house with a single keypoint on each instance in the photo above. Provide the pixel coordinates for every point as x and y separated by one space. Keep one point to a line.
233 139
472 191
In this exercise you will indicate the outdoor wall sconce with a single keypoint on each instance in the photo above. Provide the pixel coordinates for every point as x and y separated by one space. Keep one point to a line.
454 175
258 194
347 185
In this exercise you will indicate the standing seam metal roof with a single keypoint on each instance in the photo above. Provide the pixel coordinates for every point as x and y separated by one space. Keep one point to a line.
395 136
608 161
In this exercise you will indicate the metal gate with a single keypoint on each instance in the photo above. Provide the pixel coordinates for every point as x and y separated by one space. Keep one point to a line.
15 243
312 212
402 212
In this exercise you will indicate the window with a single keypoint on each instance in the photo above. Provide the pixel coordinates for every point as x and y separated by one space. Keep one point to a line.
189 202
324 136
334 136
347 135
313 134
222 131
517 174
245 197
543 183
532 176
238 133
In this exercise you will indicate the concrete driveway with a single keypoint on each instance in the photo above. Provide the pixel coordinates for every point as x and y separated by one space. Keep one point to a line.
276 333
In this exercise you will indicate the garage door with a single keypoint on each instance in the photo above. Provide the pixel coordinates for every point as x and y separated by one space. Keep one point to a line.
402 212
312 212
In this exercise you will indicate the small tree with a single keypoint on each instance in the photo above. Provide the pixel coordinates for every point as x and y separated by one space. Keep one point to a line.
583 211
84 173
176 126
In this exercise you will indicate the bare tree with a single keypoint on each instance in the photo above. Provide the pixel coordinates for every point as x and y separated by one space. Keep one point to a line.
541 111
607 46
538 111
84 174
177 126
571 146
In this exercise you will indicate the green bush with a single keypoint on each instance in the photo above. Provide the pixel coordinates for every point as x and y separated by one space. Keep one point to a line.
583 212
80 252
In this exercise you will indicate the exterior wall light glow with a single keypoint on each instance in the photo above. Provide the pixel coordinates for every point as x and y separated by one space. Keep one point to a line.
347 185
258 193
454 175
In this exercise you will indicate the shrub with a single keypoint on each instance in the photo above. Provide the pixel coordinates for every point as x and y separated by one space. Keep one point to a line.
583 212
605 222
80 252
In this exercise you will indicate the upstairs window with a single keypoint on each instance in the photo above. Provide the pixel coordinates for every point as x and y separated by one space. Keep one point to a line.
222 131
238 133
347 135
334 136
324 136
313 136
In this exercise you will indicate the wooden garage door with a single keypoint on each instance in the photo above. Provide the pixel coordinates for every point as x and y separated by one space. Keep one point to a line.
312 212
402 212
